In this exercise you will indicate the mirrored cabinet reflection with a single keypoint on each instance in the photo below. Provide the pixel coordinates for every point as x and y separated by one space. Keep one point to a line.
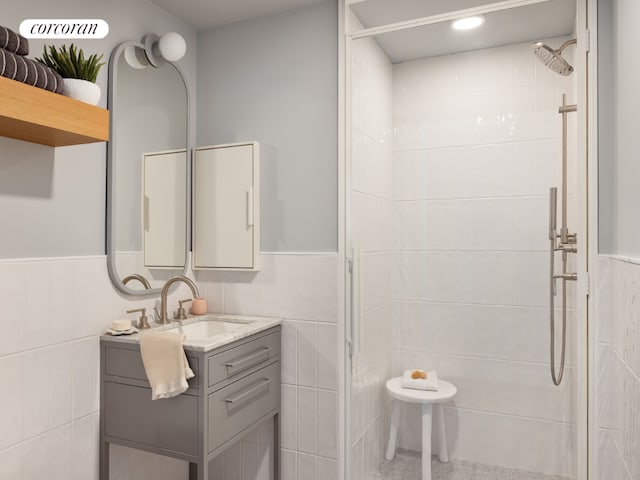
226 207
164 206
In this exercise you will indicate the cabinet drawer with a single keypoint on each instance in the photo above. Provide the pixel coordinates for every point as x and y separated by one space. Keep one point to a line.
170 424
234 408
244 358
127 363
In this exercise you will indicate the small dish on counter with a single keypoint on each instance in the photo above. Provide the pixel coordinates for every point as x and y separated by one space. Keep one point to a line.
130 331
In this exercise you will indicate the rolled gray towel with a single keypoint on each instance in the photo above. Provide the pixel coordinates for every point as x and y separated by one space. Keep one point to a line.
13 42
30 72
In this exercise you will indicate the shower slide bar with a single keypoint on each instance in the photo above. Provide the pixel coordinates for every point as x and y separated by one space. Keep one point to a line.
564 242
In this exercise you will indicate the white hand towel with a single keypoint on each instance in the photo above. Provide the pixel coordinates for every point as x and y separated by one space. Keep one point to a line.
429 383
165 363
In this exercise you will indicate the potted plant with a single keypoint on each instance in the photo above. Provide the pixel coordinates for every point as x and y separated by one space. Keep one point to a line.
79 73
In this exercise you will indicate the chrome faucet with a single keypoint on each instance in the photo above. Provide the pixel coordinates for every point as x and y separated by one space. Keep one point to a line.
165 291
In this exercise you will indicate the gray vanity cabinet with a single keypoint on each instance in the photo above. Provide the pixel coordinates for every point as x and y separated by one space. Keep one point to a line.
235 388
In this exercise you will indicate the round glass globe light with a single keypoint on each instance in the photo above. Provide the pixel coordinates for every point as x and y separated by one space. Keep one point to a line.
172 46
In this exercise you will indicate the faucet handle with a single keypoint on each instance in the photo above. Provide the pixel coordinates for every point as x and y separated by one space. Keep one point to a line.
181 314
143 321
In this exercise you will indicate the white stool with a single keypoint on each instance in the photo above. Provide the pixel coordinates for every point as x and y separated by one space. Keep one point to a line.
426 398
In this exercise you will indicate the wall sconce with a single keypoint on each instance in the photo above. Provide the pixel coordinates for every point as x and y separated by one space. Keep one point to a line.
169 47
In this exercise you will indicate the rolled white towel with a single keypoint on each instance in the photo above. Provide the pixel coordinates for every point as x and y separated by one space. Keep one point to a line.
429 383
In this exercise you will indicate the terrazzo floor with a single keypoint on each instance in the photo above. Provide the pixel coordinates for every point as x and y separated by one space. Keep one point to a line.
406 465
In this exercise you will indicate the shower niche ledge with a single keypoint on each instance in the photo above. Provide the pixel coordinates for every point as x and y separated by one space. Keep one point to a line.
38 116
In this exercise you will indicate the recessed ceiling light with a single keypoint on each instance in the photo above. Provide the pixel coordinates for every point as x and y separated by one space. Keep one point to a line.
468 23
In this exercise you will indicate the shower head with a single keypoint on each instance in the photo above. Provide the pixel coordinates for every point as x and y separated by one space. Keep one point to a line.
553 58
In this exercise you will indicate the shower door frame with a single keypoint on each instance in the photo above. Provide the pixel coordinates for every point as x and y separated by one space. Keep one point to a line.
586 65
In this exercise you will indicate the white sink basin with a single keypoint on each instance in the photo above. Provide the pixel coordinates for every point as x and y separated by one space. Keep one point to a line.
211 327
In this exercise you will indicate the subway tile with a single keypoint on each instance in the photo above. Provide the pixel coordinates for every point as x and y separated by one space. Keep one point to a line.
371 279
327 288
454 328
289 352
411 175
59 453
267 282
307 466
12 406
371 170
498 386
84 445
307 288
327 357
35 393
35 458
242 294
327 424
532 451
13 288
307 422
83 377
327 469
60 386
82 303
610 463
37 307
11 462
286 281
630 433
214 293
289 417
288 467
307 354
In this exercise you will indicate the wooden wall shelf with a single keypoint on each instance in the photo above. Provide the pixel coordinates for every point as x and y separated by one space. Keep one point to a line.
39 116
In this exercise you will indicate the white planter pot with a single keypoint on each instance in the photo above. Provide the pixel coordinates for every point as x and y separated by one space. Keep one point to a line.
82 90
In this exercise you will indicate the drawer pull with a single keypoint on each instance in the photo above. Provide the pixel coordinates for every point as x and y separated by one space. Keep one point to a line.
257 387
249 360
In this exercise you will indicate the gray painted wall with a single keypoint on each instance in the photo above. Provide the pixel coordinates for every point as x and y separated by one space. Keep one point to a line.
274 80
52 201
619 164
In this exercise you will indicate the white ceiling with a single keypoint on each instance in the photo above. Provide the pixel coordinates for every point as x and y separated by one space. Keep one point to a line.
553 18
205 14
538 21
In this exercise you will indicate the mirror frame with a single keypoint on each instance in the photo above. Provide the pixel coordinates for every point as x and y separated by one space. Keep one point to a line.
111 215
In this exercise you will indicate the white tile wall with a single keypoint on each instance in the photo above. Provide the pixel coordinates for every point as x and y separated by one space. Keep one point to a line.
372 215
617 393
475 150
301 289
55 310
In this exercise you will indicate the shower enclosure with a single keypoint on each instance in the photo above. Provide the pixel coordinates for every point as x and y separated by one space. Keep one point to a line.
453 142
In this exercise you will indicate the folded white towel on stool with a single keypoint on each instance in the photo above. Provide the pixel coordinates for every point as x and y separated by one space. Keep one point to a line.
165 363
429 383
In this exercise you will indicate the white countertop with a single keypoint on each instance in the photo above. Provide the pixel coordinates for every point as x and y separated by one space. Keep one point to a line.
205 344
